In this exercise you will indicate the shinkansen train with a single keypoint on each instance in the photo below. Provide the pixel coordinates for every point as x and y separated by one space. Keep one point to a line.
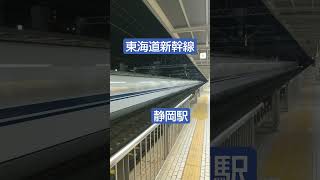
53 105
129 92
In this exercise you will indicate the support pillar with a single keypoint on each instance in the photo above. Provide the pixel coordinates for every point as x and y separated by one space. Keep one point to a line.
284 98
276 109
272 120
39 17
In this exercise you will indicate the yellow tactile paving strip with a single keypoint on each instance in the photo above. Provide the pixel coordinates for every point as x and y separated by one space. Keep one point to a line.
290 156
192 170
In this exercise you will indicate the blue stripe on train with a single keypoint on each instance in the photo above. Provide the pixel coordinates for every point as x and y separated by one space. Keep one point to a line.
19 111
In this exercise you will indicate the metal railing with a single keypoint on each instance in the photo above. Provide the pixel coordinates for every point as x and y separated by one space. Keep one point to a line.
242 133
143 157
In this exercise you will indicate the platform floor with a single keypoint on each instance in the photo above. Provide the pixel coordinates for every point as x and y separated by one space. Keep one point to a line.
189 158
293 153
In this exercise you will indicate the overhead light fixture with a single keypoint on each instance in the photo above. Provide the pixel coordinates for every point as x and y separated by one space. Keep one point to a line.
203 55
20 27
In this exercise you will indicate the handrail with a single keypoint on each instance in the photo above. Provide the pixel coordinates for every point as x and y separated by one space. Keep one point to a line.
234 127
125 150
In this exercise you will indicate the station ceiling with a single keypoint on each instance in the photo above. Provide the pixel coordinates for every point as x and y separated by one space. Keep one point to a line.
274 29
186 19
249 28
133 19
301 18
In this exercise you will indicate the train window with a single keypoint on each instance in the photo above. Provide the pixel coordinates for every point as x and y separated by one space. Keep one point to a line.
62 22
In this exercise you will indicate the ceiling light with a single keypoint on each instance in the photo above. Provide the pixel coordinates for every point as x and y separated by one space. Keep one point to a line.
203 55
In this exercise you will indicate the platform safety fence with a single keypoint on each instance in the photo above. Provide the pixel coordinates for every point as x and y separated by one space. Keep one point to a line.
143 157
242 133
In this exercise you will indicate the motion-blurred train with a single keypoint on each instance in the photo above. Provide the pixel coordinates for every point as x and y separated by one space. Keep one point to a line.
53 105
53 97
130 92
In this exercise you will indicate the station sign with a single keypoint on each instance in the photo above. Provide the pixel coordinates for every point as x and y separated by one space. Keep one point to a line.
159 46
233 163
170 115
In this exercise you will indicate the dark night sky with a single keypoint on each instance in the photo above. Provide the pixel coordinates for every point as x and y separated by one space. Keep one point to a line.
18 11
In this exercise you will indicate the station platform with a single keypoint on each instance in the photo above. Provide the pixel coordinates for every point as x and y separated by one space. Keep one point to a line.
292 152
189 159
